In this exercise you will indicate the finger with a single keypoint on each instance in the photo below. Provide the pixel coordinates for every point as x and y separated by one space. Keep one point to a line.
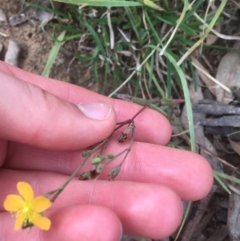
147 210
189 174
41 119
150 125
79 222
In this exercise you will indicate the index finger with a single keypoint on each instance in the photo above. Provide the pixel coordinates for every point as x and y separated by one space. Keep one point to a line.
151 126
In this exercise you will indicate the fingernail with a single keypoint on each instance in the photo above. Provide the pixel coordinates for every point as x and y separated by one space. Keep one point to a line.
95 110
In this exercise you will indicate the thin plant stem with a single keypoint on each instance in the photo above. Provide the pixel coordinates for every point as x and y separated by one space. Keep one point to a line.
57 191
61 188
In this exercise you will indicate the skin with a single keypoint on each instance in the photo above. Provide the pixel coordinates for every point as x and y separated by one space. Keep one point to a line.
41 138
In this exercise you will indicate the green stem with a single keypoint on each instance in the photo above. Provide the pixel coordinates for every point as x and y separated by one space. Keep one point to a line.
57 191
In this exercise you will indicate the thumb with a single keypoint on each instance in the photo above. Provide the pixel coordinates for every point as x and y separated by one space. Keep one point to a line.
33 116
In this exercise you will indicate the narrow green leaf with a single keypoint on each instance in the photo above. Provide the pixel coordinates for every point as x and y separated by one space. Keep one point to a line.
53 54
186 97
221 183
189 205
225 176
103 3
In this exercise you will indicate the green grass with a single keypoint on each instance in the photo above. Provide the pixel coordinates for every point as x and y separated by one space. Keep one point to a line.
144 45
53 54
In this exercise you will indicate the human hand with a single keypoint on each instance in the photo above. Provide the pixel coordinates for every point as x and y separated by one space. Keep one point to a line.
42 132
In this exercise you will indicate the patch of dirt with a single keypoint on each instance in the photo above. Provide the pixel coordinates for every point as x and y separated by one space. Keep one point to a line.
35 47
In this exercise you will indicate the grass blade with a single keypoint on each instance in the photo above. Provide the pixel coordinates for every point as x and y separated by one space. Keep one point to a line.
103 3
53 54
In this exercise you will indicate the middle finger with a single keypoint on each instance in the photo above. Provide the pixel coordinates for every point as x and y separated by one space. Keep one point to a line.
187 173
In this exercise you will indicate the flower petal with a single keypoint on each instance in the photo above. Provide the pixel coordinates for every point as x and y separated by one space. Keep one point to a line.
13 203
19 221
40 204
26 191
38 220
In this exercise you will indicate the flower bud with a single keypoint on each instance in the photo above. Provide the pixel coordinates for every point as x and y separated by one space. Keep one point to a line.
85 154
96 160
85 176
111 157
99 168
114 172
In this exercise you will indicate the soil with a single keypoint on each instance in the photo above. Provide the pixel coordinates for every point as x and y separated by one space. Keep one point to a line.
35 47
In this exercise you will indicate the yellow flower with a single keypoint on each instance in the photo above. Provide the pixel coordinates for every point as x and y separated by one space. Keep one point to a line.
27 208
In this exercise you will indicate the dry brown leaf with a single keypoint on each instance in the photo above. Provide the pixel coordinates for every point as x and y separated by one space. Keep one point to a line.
207 81
211 39
235 146
228 74
3 17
